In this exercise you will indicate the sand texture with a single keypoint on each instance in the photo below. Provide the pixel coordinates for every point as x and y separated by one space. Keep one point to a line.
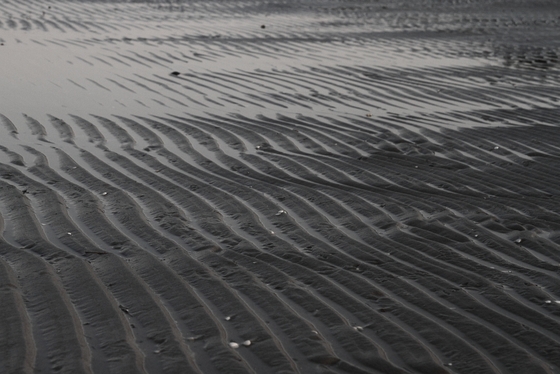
274 186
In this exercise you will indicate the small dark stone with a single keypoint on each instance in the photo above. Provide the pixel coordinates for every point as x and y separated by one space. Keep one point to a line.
263 27
175 73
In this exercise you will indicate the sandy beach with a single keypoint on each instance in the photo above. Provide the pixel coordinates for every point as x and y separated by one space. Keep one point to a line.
273 186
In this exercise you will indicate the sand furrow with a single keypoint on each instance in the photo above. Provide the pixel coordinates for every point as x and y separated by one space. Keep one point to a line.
18 351
58 336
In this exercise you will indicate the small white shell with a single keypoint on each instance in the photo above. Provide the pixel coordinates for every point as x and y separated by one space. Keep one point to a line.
246 343
234 345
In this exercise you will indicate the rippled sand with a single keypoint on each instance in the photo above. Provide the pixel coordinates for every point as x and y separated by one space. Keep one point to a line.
279 186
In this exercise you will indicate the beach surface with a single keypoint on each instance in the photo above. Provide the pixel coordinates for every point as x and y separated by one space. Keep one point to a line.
270 186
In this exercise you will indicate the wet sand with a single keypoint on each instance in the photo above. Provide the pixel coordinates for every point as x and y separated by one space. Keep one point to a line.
280 187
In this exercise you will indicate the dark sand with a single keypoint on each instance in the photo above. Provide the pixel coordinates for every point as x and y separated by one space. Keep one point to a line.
280 186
